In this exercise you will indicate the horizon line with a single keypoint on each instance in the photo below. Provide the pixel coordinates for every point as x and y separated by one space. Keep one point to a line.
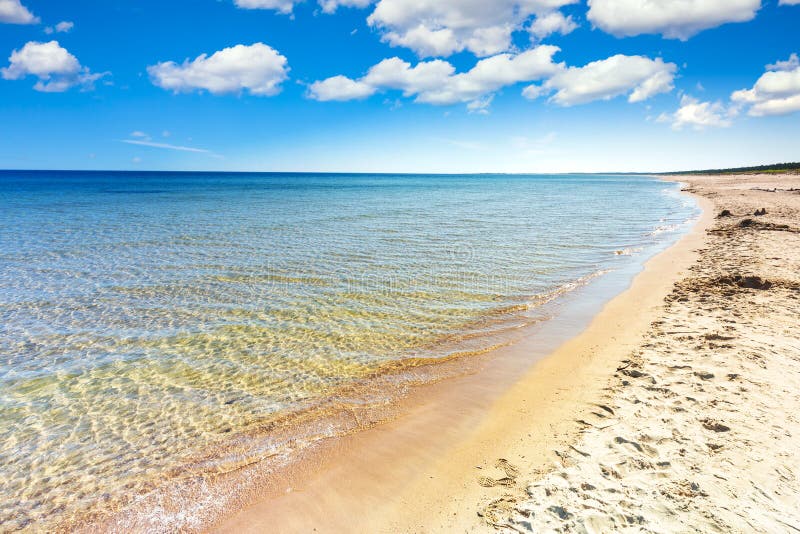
379 173
783 166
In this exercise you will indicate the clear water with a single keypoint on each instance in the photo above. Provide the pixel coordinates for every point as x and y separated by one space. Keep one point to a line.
147 318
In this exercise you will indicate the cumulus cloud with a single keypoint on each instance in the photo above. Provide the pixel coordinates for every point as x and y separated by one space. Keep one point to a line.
777 91
286 6
13 12
56 69
674 19
442 27
699 115
639 77
550 23
281 6
340 88
481 106
790 64
434 28
330 6
258 69
532 92
64 26
437 82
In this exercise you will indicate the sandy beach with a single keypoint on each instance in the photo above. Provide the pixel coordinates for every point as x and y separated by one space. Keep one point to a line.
673 409
698 428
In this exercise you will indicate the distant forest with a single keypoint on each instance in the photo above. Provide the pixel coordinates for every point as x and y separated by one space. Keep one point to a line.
776 168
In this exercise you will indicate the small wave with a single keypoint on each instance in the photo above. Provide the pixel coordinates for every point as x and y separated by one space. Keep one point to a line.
567 287
665 228
627 251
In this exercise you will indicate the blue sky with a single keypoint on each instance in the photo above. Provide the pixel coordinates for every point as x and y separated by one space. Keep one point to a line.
505 86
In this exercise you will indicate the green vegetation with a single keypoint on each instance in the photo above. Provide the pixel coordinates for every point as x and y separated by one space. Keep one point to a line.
778 168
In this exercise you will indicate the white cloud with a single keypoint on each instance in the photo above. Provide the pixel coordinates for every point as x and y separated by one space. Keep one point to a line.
532 92
258 69
699 115
443 27
481 106
64 26
777 91
639 77
674 19
491 74
330 6
790 64
395 73
789 2
166 146
340 88
550 23
56 69
434 28
286 6
281 6
42 60
13 12
436 82
429 43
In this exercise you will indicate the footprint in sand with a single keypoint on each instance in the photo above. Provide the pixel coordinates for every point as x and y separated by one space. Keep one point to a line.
715 426
489 482
496 512
508 469
509 480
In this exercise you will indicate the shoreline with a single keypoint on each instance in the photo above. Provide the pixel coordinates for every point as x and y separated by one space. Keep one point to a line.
250 466
432 466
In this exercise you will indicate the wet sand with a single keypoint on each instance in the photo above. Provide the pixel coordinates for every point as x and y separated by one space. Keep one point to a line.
461 453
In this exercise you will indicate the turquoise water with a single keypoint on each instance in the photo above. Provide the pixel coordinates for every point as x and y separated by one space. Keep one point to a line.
145 319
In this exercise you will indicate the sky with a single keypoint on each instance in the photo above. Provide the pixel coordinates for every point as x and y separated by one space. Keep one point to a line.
431 86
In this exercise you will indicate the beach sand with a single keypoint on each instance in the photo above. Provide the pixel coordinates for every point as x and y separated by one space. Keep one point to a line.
674 409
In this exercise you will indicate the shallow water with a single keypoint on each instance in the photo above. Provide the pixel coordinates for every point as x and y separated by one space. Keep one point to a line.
147 318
